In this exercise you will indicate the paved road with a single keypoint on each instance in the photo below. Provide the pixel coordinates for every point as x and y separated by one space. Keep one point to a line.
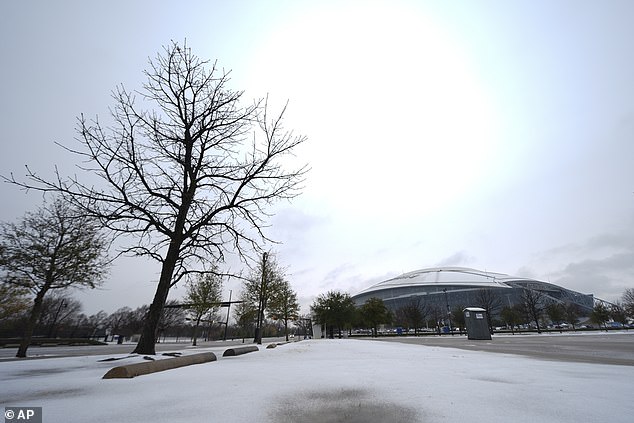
612 348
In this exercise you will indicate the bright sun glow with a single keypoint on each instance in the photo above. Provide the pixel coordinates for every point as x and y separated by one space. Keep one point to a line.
381 88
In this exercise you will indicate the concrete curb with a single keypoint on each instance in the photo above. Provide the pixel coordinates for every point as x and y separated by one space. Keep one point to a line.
240 350
139 369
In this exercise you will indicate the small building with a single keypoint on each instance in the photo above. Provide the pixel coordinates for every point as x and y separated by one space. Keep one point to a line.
477 325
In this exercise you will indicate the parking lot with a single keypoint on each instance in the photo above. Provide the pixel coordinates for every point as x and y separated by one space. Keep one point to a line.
595 347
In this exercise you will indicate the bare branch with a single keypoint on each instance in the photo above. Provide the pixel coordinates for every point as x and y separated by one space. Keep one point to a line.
184 167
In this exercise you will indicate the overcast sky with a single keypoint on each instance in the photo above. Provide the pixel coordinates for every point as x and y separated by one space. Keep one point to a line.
488 134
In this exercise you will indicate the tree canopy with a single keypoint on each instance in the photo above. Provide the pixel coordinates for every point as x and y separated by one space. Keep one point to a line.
204 294
52 248
13 300
283 305
334 310
374 312
600 314
263 284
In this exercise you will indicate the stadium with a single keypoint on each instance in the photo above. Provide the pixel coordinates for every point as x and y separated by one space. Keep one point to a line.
450 287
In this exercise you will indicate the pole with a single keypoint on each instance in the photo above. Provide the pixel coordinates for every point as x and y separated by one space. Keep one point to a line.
448 310
227 321
258 329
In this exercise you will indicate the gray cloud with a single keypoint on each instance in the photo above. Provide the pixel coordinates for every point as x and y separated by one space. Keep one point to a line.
460 258
335 276
290 221
526 272
602 265
605 241
607 278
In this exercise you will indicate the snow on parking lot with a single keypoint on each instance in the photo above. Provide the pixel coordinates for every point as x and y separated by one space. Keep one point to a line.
327 381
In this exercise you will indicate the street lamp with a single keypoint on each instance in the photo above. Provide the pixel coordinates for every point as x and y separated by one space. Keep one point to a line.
228 311
448 310
261 303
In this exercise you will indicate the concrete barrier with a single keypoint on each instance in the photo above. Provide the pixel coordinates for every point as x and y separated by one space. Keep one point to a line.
240 350
277 344
138 369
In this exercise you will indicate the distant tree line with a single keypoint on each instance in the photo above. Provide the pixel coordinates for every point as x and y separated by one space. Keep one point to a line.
62 317
266 292
337 313
28 310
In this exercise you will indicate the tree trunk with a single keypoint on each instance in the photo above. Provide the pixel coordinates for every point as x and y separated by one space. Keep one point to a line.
149 332
196 332
30 325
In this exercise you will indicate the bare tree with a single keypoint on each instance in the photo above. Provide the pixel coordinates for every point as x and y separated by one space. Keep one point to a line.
78 326
119 321
490 301
628 301
533 302
57 309
52 248
618 314
304 325
187 180
572 312
203 297
137 320
415 313
436 314
171 316
96 322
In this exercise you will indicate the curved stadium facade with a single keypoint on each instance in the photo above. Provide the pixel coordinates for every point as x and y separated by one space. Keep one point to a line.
459 286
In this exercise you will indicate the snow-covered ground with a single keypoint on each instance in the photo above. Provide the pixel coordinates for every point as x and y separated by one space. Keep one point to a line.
327 381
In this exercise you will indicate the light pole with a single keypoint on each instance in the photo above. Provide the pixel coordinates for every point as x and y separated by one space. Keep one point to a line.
448 310
261 303
227 321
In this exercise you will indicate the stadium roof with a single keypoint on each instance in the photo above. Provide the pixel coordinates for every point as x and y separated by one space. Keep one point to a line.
447 276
